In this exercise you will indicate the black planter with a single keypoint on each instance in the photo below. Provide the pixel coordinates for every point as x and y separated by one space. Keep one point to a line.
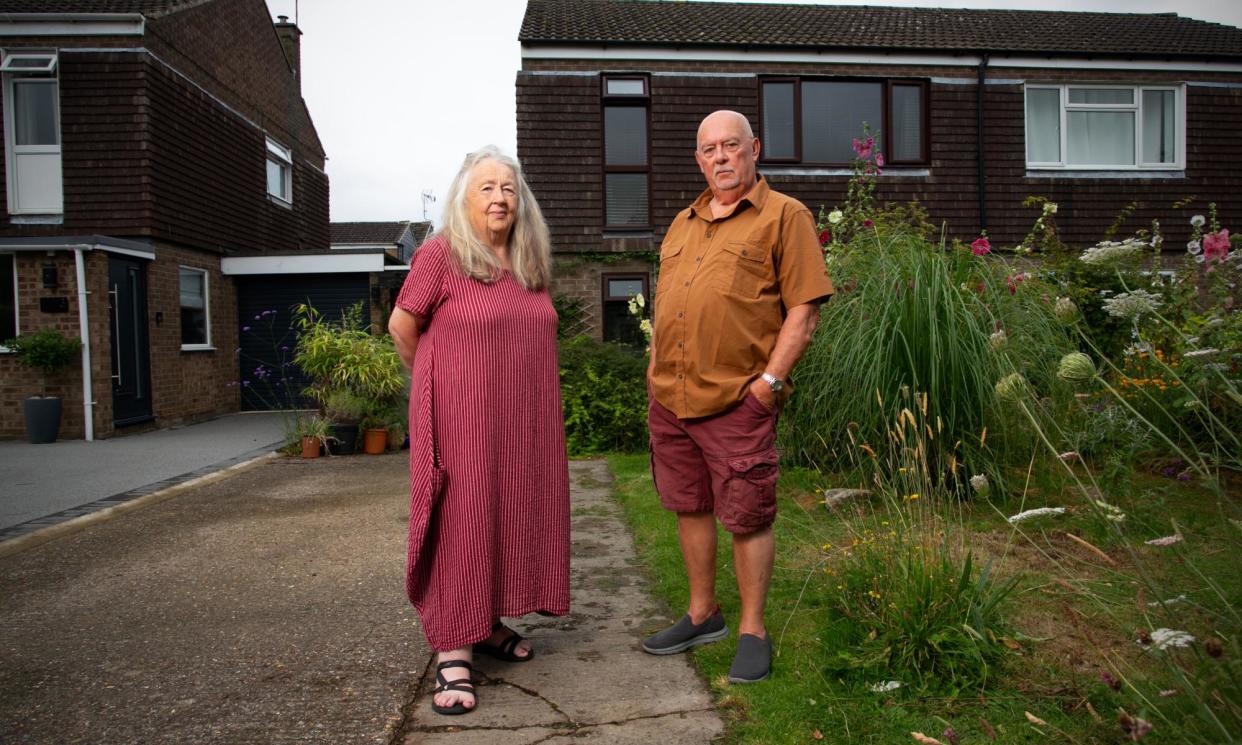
42 419
346 436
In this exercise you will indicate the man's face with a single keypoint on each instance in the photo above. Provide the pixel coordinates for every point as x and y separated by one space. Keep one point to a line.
726 155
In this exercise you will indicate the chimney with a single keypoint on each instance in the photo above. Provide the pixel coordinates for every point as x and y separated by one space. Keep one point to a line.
289 34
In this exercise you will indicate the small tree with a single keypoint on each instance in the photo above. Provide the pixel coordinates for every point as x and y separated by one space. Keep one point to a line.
48 350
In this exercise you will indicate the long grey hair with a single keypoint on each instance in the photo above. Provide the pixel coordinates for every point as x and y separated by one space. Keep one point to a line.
530 247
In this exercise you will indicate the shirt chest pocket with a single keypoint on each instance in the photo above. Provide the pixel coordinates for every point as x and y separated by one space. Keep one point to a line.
670 257
743 268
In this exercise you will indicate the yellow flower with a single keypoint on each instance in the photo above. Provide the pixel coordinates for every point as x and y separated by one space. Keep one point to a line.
912 497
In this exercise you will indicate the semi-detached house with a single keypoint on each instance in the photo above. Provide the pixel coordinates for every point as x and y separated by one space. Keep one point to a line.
974 110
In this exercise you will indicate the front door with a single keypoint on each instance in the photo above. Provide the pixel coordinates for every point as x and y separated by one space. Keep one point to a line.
131 366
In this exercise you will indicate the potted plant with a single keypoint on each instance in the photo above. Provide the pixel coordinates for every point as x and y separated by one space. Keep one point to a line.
49 351
374 435
354 374
313 434
345 409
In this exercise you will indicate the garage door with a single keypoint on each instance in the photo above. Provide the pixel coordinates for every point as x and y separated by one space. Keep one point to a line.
267 339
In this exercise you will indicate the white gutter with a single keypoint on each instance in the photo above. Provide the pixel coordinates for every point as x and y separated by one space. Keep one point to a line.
88 402
72 24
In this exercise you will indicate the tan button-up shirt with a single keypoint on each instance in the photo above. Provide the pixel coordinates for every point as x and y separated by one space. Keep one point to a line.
725 287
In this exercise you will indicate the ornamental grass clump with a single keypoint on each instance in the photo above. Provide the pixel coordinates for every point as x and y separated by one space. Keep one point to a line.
948 323
907 601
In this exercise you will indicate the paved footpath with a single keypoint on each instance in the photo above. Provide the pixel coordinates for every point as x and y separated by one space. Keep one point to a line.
266 607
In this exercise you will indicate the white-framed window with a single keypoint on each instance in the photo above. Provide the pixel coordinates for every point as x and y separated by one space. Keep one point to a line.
1105 127
8 299
279 172
32 133
195 309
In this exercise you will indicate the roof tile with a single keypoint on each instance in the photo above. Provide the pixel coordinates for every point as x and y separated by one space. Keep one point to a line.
659 23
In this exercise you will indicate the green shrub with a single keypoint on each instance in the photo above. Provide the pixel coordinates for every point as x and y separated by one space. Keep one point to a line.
604 396
47 350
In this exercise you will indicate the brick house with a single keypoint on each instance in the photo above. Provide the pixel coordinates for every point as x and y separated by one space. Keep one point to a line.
975 110
158 159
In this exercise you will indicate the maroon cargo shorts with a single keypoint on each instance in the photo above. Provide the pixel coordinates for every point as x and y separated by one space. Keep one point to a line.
724 463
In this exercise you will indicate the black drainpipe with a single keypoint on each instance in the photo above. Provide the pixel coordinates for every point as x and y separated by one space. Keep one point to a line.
983 179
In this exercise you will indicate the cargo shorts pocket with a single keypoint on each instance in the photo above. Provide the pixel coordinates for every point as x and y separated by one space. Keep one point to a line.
751 491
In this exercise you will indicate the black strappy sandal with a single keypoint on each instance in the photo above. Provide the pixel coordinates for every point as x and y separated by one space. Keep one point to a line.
465 686
505 650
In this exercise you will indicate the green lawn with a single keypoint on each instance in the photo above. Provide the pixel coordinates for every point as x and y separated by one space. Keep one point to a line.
1071 615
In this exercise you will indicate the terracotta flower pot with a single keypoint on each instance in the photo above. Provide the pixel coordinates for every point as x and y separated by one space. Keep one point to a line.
375 441
310 447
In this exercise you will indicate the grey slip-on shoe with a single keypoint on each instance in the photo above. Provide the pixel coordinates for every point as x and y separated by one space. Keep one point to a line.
686 634
753 661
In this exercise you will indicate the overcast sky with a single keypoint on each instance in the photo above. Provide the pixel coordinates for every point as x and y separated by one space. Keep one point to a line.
400 91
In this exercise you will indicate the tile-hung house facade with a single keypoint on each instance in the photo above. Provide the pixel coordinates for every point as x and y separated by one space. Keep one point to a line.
156 152
395 242
974 110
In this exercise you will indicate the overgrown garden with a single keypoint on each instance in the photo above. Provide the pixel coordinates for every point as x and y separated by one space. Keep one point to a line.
1011 507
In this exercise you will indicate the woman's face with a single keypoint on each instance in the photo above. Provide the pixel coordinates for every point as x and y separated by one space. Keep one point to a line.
491 198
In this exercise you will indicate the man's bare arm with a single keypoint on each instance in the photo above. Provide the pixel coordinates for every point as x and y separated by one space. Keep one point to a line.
792 341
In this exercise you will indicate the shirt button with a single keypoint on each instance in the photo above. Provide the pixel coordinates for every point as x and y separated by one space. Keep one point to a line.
687 284
679 315
698 258
743 252
679 376
679 345
708 234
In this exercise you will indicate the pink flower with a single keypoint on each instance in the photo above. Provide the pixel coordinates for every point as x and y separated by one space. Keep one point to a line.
863 149
1216 246
879 160
824 237
867 223
981 247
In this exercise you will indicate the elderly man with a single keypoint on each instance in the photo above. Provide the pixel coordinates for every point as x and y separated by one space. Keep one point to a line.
741 279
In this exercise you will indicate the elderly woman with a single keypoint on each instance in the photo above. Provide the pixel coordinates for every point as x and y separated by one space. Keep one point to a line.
489 502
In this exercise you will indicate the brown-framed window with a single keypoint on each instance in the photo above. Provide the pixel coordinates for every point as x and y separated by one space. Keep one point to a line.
625 108
813 121
619 324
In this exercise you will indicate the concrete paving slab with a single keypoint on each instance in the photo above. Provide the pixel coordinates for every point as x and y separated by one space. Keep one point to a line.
590 678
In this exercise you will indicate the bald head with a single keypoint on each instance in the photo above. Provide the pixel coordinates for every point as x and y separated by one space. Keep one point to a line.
728 119
726 154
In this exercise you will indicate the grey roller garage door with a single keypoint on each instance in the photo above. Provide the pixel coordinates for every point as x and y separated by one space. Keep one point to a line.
267 339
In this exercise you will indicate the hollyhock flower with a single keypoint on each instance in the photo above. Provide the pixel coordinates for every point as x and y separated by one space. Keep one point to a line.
1216 245
824 237
1193 247
879 160
1198 221
867 222
836 216
981 247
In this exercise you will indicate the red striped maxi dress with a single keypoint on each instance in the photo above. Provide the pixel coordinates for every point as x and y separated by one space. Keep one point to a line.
489 481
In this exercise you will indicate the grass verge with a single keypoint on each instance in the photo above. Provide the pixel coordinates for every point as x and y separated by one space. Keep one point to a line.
1062 642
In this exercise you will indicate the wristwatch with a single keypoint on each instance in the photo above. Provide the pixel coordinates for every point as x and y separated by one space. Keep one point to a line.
775 383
